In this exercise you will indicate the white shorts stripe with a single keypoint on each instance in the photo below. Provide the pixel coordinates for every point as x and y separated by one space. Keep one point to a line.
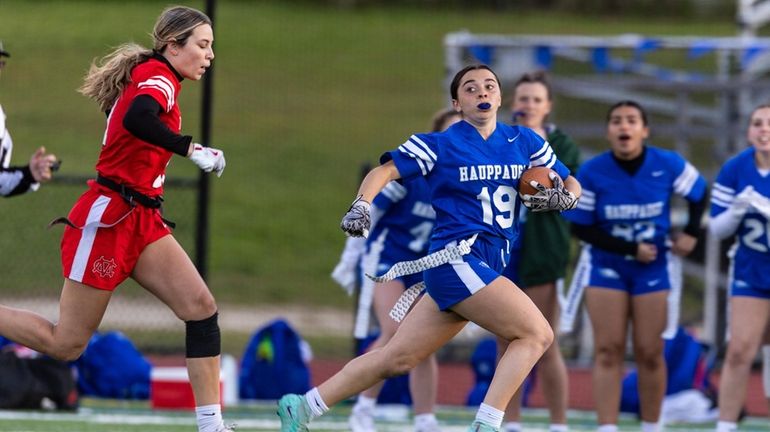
466 274
80 261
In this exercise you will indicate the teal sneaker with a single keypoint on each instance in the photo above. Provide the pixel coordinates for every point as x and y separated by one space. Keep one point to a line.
294 413
478 426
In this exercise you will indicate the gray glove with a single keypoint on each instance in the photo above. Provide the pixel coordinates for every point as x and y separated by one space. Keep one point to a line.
356 222
557 198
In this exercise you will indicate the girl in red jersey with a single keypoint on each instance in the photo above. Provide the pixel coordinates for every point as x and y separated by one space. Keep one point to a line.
115 230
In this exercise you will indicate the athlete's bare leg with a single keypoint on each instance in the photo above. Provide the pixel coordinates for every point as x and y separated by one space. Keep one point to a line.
424 377
499 307
748 321
165 270
81 309
649 320
551 370
609 313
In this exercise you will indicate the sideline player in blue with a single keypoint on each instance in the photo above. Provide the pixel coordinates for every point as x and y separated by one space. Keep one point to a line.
624 220
740 205
472 170
402 221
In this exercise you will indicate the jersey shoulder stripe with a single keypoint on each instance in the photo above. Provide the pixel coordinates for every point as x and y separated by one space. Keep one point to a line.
543 156
162 84
587 201
418 150
722 195
686 180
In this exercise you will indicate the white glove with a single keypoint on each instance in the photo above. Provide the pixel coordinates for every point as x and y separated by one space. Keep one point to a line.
356 222
345 276
762 205
557 198
346 272
742 203
208 158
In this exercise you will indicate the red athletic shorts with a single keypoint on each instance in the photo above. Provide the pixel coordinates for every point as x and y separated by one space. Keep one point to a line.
103 253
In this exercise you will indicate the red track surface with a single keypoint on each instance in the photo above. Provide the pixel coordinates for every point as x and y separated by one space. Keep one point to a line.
456 380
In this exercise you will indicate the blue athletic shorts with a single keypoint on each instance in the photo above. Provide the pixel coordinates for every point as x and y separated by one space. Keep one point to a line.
511 271
615 271
750 277
451 283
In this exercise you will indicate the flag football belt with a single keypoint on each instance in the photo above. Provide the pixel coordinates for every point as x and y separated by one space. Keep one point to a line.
129 195
449 253
133 197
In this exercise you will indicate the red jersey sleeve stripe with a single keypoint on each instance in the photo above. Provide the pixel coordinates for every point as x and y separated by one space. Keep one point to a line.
162 84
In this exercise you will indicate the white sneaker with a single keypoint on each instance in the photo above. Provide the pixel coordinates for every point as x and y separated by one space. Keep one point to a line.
361 419
428 427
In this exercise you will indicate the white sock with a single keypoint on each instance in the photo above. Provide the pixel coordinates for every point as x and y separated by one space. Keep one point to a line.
424 420
607 428
317 405
512 427
555 427
209 418
366 402
490 416
725 426
650 426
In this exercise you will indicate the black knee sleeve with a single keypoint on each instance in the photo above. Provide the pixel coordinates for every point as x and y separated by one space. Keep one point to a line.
202 337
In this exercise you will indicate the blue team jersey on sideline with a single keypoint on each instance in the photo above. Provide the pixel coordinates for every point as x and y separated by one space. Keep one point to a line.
636 207
752 253
407 220
473 182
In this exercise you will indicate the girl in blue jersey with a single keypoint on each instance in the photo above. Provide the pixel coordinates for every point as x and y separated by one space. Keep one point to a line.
472 170
402 221
623 218
740 205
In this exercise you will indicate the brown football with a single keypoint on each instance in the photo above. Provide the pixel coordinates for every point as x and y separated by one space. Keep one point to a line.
538 174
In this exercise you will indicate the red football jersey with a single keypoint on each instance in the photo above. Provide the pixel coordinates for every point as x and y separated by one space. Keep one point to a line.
127 159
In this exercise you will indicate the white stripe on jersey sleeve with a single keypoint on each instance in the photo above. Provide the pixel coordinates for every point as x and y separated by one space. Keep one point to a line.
544 156
422 144
587 201
419 151
163 84
686 180
722 195
394 191
419 161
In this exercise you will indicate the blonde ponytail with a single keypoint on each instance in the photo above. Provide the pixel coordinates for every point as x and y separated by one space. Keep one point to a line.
106 79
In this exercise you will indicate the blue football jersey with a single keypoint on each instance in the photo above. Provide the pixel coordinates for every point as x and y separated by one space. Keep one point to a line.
635 208
403 230
474 182
753 234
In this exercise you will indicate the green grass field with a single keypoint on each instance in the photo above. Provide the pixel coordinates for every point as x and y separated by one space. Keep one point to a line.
135 417
303 95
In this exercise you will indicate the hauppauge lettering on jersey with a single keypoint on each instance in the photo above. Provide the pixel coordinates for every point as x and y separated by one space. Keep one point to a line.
491 172
633 211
